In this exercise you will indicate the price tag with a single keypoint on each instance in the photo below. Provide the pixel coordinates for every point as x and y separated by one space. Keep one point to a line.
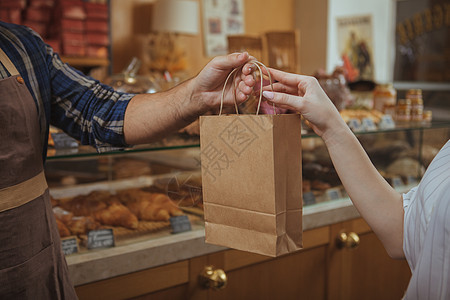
69 245
368 124
180 224
411 179
396 182
309 198
334 194
63 141
386 122
355 125
102 238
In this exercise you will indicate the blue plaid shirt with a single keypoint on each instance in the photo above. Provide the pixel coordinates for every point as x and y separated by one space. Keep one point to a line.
81 106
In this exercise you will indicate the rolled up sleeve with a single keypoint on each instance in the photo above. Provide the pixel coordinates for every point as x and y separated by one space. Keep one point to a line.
86 109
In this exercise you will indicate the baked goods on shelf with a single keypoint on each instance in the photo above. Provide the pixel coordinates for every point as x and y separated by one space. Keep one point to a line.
62 229
360 114
117 214
130 212
131 167
68 224
185 191
82 225
103 207
149 206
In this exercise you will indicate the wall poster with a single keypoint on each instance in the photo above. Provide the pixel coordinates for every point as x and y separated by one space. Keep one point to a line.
355 46
220 19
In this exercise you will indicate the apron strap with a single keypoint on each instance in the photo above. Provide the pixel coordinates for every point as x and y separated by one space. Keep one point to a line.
4 59
23 192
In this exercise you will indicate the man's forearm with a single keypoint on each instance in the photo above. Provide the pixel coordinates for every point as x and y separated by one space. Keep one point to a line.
150 117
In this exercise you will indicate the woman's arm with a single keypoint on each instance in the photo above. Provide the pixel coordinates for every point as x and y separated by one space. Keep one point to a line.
377 202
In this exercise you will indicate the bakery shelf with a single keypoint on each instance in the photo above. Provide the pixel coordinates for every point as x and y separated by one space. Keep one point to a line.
170 170
84 62
164 247
182 141
175 142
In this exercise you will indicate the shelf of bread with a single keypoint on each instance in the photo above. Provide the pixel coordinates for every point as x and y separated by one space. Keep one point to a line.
132 208
183 139
139 193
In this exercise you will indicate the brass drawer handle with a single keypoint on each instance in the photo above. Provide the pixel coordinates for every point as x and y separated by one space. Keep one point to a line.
349 240
211 278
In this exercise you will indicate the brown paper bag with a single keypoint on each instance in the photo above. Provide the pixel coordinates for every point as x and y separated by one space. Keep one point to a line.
252 182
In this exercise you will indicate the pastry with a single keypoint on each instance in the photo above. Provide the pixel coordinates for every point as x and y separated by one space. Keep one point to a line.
62 229
149 206
117 214
103 207
82 225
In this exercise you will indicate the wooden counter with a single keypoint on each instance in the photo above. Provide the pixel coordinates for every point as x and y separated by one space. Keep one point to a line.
165 248
168 266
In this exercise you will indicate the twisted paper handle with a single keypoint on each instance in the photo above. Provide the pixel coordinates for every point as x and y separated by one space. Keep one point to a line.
234 73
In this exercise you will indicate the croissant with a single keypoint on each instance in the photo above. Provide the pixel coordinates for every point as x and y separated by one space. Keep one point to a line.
117 214
149 206
86 205
103 207
62 228
62 214
81 225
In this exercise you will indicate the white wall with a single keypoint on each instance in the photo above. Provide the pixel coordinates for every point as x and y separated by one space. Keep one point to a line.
383 21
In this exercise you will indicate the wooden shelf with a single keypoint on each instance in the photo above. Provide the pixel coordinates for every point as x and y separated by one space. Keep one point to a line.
85 61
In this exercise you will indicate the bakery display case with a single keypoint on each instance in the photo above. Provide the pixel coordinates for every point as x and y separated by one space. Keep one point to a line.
123 184
135 196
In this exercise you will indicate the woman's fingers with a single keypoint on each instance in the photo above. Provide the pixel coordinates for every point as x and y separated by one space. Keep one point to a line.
286 100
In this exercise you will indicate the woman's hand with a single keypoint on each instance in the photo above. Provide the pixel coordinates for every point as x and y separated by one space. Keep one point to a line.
300 93
378 203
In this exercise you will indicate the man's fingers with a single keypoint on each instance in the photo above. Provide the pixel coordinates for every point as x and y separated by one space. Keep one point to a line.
244 88
233 60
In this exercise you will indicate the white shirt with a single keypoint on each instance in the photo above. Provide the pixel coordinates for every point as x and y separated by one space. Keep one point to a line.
426 233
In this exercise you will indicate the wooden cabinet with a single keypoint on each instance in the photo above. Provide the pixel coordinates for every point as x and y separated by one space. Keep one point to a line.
365 272
322 270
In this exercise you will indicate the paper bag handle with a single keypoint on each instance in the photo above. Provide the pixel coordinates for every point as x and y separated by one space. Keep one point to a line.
234 73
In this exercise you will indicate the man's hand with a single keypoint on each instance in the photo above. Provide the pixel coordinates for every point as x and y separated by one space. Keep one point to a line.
208 84
150 117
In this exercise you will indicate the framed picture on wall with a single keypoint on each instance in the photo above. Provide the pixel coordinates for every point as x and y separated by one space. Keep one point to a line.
220 19
355 46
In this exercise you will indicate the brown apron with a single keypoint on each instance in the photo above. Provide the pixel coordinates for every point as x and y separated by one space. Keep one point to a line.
32 265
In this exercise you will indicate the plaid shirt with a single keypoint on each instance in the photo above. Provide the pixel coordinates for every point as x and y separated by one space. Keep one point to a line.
81 106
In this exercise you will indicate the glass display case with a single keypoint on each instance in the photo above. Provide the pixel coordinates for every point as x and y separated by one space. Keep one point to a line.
80 180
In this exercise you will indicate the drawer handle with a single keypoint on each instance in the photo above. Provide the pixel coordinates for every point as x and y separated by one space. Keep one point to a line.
211 278
349 240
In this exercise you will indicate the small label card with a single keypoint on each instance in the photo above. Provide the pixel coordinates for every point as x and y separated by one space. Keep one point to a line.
180 224
69 245
334 194
411 179
309 198
386 122
63 141
396 182
355 125
102 238
368 124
